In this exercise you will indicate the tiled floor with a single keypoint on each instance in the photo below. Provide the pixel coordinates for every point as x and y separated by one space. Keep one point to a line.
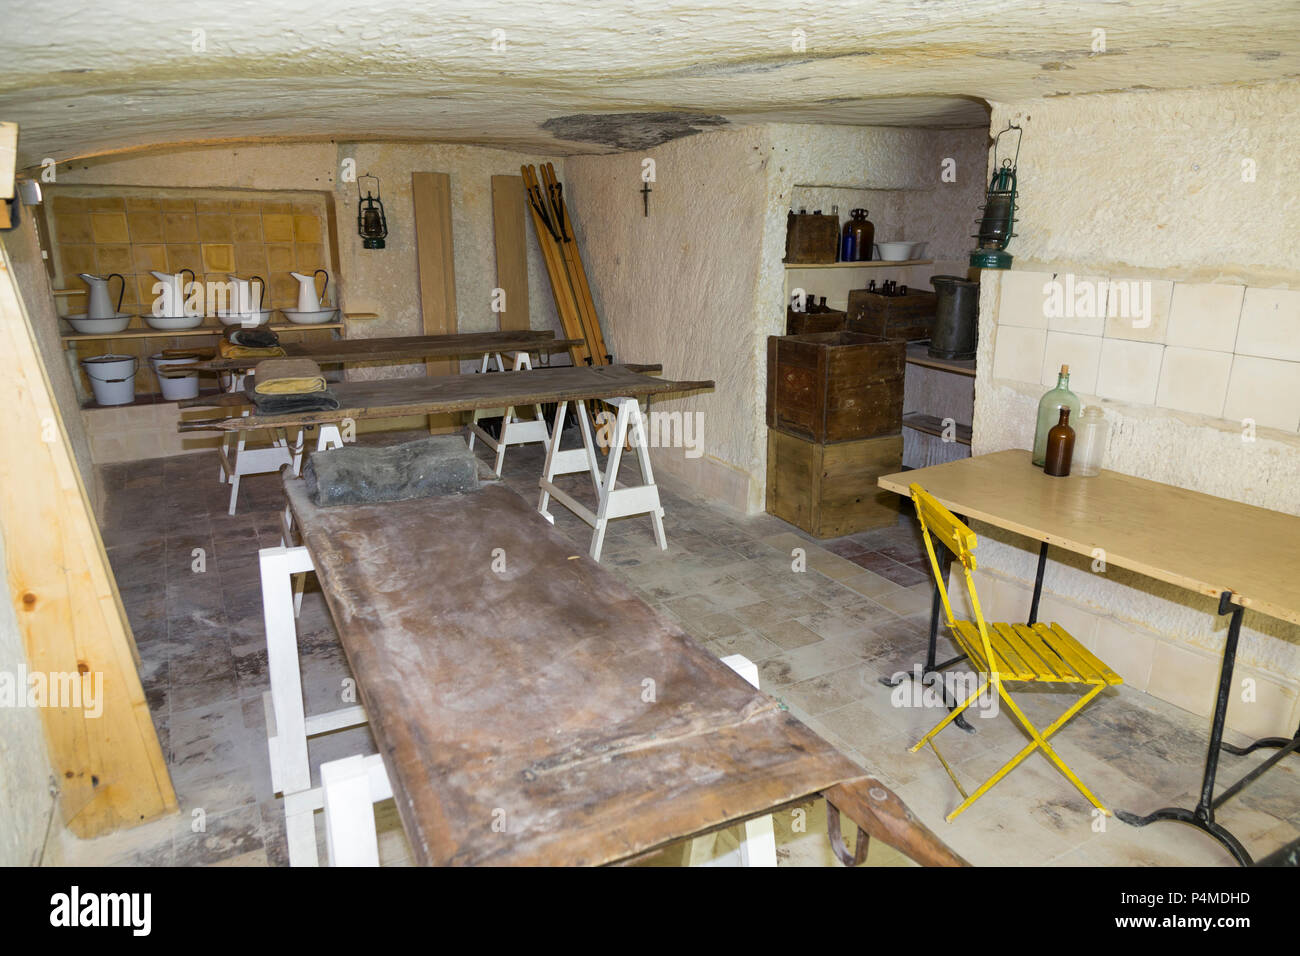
822 636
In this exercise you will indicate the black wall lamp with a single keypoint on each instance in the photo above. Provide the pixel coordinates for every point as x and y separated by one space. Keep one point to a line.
372 225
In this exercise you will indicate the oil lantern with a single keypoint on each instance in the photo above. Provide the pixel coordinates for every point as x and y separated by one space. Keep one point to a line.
371 223
999 215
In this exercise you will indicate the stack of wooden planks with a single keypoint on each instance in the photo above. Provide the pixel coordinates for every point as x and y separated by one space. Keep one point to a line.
569 285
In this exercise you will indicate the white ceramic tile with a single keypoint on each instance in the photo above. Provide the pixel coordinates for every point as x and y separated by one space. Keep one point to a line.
1194 380
1078 305
1204 315
1081 352
1265 390
1140 307
1270 324
1018 353
1129 371
1021 300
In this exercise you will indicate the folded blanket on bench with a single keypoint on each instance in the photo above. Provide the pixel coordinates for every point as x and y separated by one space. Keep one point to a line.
438 465
285 376
292 403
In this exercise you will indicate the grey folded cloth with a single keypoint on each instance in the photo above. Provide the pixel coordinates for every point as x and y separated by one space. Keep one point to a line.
437 465
290 403
253 338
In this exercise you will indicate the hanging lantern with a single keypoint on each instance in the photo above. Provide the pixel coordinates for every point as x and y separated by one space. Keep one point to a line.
371 223
999 214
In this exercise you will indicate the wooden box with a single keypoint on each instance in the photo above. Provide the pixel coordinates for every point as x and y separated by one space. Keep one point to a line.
830 490
835 386
801 323
909 317
811 239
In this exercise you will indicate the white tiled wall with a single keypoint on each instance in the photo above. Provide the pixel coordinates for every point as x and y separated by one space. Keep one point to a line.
1213 349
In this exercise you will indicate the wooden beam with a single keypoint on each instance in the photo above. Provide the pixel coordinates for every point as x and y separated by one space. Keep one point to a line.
508 231
435 258
110 768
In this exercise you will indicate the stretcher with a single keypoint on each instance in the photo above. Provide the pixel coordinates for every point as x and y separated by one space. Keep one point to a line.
528 708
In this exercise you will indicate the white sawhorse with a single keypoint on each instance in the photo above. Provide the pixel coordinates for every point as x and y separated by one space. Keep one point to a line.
514 430
353 785
611 501
759 846
288 727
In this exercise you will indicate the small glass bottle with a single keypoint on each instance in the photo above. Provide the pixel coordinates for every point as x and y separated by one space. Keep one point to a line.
1060 446
1049 407
1090 442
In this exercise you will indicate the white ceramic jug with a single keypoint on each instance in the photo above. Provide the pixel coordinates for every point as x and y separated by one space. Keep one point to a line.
308 299
243 301
98 305
171 303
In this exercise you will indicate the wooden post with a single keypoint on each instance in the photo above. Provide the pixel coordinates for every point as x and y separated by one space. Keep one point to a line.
435 257
110 767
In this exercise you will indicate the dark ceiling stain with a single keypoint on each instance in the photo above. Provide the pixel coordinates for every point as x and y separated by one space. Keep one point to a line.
630 130
1264 54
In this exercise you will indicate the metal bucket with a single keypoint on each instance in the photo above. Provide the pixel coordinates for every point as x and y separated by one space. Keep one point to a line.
112 377
956 320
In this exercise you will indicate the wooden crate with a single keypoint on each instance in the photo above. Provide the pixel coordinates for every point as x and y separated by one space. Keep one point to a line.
909 317
801 323
830 490
835 386
811 239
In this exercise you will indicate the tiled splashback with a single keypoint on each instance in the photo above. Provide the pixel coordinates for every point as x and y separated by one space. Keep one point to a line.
131 231
1224 351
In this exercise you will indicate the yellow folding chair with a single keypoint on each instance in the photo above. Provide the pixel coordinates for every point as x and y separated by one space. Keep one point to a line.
1032 653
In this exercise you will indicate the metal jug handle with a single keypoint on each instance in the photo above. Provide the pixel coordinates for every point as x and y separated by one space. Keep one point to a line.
321 272
261 290
121 290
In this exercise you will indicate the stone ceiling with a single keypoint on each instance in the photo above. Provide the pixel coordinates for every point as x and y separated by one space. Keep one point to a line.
87 78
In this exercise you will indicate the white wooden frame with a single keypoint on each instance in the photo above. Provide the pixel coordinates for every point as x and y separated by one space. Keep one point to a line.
288 728
514 430
611 501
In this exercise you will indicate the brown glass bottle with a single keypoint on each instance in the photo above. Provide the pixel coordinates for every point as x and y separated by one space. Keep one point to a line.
1060 447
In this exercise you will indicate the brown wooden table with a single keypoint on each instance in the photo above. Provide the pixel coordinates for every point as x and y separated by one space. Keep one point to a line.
1244 556
524 693
394 398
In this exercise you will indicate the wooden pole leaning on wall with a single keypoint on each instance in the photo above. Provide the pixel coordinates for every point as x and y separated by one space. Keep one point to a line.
572 257
104 753
561 290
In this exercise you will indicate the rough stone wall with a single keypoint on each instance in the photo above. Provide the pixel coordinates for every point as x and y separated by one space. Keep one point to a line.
1150 186
678 286
699 285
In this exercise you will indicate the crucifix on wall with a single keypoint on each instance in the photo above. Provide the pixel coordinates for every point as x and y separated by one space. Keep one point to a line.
645 198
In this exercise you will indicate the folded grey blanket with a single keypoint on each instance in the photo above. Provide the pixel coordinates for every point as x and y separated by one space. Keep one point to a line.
437 465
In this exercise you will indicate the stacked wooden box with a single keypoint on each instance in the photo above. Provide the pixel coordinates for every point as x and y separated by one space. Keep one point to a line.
834 416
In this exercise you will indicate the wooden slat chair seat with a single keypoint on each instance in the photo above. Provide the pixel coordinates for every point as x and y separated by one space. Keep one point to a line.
1003 653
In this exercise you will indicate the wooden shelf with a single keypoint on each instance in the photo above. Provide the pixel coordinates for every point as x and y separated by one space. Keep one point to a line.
72 337
872 264
933 425
919 355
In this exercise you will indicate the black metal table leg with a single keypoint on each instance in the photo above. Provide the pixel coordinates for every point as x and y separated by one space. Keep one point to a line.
1038 585
1202 817
932 651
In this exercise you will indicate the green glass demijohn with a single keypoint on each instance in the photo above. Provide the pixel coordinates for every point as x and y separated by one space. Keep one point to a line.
1049 412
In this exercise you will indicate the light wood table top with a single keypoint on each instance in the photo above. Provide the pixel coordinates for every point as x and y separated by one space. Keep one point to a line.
1192 540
